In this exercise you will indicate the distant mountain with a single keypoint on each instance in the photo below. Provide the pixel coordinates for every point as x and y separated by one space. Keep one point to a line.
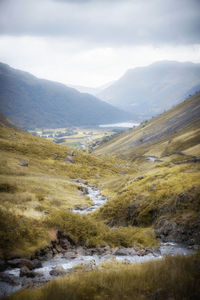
30 102
148 91
91 90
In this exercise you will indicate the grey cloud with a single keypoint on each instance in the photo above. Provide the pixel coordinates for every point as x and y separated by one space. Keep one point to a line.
106 22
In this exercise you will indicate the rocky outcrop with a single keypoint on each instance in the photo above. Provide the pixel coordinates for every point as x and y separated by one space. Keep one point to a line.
25 272
178 231
21 262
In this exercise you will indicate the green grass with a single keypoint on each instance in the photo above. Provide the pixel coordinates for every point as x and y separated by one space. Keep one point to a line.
170 278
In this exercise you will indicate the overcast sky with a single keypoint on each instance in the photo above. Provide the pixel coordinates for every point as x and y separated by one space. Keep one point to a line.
92 42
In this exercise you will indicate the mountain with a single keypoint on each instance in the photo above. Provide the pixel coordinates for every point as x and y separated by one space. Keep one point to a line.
176 130
30 102
91 90
148 91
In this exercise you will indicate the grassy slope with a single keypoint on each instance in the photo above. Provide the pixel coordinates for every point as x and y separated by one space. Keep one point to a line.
167 190
174 131
46 185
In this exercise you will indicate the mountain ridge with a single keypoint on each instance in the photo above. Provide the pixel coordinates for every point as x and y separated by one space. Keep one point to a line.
148 91
30 103
158 135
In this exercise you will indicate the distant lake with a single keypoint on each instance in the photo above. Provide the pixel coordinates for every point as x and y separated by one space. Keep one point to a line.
122 125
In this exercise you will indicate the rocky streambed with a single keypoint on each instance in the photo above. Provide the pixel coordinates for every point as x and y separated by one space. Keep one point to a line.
94 194
64 257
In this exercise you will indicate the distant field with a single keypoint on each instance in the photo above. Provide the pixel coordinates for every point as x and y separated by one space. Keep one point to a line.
79 137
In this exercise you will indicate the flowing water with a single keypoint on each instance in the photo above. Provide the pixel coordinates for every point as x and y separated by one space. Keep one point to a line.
95 195
67 263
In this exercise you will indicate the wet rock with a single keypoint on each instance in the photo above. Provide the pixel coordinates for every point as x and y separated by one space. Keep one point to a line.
8 279
58 271
65 244
62 236
58 248
27 283
3 265
83 190
37 264
48 255
25 272
21 262
142 252
69 159
54 251
104 250
179 231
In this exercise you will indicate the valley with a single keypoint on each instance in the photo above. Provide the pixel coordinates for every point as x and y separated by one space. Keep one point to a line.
82 138
145 186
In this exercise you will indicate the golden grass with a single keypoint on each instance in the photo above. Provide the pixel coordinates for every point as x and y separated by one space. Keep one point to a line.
133 142
173 277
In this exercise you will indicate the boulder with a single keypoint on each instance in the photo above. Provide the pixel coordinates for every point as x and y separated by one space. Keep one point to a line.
37 264
65 244
3 265
21 262
8 279
58 248
25 272
58 271
83 189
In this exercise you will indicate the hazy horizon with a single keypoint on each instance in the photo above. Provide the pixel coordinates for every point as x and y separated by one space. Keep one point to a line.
90 43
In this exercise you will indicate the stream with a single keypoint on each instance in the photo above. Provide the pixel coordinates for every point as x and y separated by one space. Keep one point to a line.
127 255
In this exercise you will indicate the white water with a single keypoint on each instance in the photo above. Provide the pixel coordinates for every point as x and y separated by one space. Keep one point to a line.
95 195
152 158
